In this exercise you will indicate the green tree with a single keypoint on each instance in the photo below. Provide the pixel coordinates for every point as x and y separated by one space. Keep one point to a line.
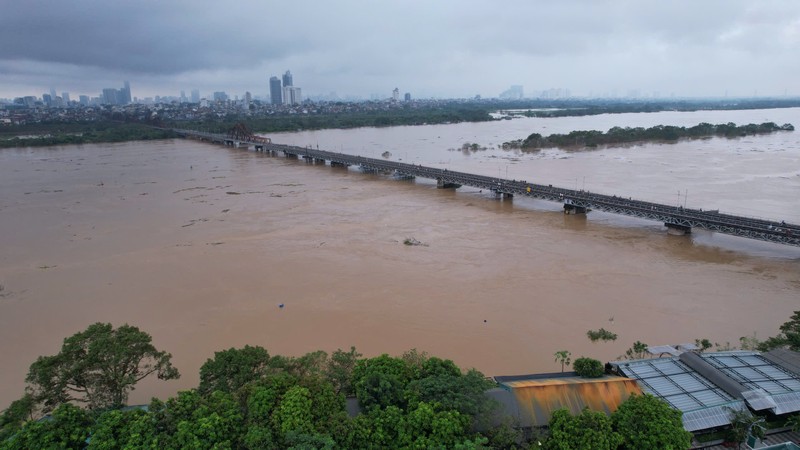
744 424
702 344
115 429
67 428
464 393
294 413
789 337
637 351
99 367
563 357
644 421
340 370
588 367
15 416
231 369
213 422
380 382
590 430
601 335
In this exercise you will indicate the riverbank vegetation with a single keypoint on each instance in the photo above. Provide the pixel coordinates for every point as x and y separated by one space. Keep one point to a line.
250 399
628 135
58 126
45 135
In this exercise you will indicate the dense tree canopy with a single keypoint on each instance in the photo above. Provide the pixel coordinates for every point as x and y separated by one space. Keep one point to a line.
644 421
248 399
619 135
231 369
588 430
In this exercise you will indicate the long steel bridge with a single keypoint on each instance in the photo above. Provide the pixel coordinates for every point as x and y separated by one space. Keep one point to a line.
677 219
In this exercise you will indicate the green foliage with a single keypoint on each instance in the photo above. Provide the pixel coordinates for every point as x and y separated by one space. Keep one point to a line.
194 421
789 337
454 391
19 412
340 370
379 382
232 369
702 344
743 424
98 366
588 430
637 351
588 367
644 421
749 342
563 357
123 429
601 335
294 412
84 133
67 428
793 422
618 135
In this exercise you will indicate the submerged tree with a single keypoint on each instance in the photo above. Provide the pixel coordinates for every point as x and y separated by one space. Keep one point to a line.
563 357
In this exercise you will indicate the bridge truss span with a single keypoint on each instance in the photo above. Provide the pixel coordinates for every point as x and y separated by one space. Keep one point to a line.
579 201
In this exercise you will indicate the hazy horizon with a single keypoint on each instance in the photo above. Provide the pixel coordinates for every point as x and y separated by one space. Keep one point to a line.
360 49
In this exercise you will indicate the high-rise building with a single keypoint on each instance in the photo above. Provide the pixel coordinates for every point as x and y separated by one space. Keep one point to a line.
287 79
110 96
291 95
396 94
220 96
47 99
275 91
84 100
65 97
195 96
408 96
127 94
53 93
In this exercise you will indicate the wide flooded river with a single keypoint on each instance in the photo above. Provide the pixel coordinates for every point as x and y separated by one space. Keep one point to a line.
198 245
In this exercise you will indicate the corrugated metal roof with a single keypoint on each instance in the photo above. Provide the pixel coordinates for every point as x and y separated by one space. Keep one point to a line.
537 399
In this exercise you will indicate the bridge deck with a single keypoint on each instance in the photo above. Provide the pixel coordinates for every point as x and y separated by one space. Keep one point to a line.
748 227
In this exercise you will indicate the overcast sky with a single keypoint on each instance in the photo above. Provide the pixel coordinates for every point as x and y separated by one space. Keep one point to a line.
429 48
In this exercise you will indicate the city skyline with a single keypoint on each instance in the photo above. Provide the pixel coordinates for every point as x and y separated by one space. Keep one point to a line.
447 49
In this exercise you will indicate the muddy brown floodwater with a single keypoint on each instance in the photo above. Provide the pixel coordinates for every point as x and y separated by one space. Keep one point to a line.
198 245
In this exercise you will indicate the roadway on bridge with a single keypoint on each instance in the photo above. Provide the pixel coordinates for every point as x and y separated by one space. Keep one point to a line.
672 216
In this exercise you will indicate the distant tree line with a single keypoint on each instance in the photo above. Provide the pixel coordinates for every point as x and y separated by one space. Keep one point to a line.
658 133
82 133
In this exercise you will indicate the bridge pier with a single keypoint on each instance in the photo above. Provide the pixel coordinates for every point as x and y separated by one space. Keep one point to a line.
290 155
442 184
319 161
338 164
678 230
574 210
403 176
503 195
259 148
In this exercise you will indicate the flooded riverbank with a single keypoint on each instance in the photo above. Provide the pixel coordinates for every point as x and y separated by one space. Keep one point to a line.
198 244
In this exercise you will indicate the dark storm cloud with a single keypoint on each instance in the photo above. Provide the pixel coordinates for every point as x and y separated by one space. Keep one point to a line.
443 48
136 37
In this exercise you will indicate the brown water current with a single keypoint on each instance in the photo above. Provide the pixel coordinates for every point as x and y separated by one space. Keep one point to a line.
198 245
